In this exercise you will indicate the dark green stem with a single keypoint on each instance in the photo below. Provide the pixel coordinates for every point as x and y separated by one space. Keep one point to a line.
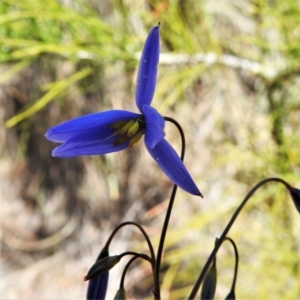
236 254
125 270
142 231
156 289
141 255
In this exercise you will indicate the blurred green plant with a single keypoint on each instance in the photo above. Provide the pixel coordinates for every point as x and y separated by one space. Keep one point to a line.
29 32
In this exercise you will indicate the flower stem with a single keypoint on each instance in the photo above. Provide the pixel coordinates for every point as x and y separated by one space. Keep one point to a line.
152 254
125 270
156 288
135 254
226 230
236 267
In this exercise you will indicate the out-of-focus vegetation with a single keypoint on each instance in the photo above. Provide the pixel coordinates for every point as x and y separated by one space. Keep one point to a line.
229 74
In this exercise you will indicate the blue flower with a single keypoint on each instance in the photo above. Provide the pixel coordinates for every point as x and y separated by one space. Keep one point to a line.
115 130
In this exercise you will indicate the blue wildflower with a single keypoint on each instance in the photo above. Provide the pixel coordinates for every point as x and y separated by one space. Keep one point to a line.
115 130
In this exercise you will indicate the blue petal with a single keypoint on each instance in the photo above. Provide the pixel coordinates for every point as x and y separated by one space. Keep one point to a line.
169 161
71 128
89 143
146 79
97 287
155 124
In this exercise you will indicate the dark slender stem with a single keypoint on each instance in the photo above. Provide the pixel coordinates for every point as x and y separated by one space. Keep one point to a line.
142 231
227 228
125 270
181 135
156 289
141 255
236 266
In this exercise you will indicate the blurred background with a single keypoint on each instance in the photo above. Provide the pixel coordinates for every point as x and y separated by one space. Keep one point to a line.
229 73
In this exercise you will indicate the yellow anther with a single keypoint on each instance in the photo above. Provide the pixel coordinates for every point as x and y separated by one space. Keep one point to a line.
117 125
135 139
125 128
133 129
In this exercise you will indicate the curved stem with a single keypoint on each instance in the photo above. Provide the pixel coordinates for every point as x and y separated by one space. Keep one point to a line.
227 228
236 253
181 135
156 289
142 231
125 270
141 255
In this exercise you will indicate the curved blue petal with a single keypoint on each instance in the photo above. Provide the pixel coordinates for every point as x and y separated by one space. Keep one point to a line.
71 128
146 79
169 161
155 124
96 141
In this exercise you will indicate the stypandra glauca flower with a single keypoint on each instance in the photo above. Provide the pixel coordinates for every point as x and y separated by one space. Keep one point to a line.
115 130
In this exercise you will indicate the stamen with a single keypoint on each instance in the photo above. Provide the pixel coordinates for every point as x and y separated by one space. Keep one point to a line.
120 126
117 125
135 139
125 128
133 129
127 131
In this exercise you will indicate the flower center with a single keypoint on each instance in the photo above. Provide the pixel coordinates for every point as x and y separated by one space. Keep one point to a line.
125 131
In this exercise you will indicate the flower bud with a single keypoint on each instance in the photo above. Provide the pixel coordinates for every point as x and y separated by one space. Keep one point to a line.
209 284
230 296
120 295
102 266
97 287
295 194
